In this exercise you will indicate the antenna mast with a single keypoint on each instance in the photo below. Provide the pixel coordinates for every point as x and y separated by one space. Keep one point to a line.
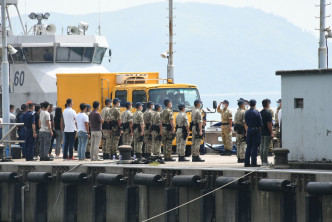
322 52
99 27
170 66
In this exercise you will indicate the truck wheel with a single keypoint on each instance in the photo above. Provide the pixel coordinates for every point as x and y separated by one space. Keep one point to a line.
188 151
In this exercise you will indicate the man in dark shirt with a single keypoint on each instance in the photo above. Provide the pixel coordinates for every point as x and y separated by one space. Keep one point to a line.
253 125
36 114
267 133
30 130
21 129
95 125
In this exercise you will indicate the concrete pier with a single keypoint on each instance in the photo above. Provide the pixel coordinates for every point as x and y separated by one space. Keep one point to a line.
266 194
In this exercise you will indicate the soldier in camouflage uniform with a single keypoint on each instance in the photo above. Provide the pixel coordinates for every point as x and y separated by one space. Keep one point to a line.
168 130
147 117
226 126
240 131
197 131
182 130
138 126
106 129
127 124
115 126
88 146
277 126
156 130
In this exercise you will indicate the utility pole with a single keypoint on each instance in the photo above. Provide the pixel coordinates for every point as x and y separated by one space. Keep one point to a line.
99 26
170 65
322 52
4 70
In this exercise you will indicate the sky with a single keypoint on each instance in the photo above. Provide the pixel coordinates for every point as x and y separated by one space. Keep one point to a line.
301 13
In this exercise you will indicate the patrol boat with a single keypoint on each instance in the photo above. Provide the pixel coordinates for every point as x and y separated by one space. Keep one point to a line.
38 54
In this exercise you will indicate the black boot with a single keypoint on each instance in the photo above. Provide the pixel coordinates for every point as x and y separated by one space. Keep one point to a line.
197 159
169 159
87 155
138 156
228 152
240 160
105 155
182 159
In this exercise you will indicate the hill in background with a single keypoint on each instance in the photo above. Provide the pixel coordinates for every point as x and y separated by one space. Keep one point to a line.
223 50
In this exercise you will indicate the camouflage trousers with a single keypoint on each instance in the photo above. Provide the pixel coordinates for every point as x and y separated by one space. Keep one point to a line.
138 142
156 144
106 141
196 142
127 139
277 135
226 137
148 142
167 140
180 143
241 146
114 141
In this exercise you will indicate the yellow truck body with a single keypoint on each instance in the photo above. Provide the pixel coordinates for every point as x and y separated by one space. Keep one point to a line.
133 87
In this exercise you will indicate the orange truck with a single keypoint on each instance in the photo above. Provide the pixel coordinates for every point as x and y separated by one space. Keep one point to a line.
133 87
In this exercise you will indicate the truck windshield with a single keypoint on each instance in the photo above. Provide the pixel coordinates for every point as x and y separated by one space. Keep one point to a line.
177 95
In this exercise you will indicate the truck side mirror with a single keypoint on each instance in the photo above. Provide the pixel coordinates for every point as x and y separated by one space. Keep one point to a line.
215 104
110 53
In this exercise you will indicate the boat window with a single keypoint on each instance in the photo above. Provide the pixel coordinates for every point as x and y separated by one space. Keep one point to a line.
122 96
99 55
74 54
18 56
39 54
139 96
177 95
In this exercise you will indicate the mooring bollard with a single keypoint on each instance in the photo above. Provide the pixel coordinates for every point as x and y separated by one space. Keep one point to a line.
281 158
125 152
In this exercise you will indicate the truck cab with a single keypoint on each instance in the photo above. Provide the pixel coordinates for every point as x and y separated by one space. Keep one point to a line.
178 93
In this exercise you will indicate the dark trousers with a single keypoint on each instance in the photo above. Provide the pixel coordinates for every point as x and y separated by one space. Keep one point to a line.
69 144
52 142
29 144
21 136
253 141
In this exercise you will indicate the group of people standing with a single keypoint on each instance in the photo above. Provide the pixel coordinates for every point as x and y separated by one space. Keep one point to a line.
253 130
153 127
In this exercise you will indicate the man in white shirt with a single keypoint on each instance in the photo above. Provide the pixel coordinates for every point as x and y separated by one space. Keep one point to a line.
12 117
45 133
69 119
82 131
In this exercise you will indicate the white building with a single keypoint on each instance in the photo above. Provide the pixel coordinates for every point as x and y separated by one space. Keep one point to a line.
307 114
